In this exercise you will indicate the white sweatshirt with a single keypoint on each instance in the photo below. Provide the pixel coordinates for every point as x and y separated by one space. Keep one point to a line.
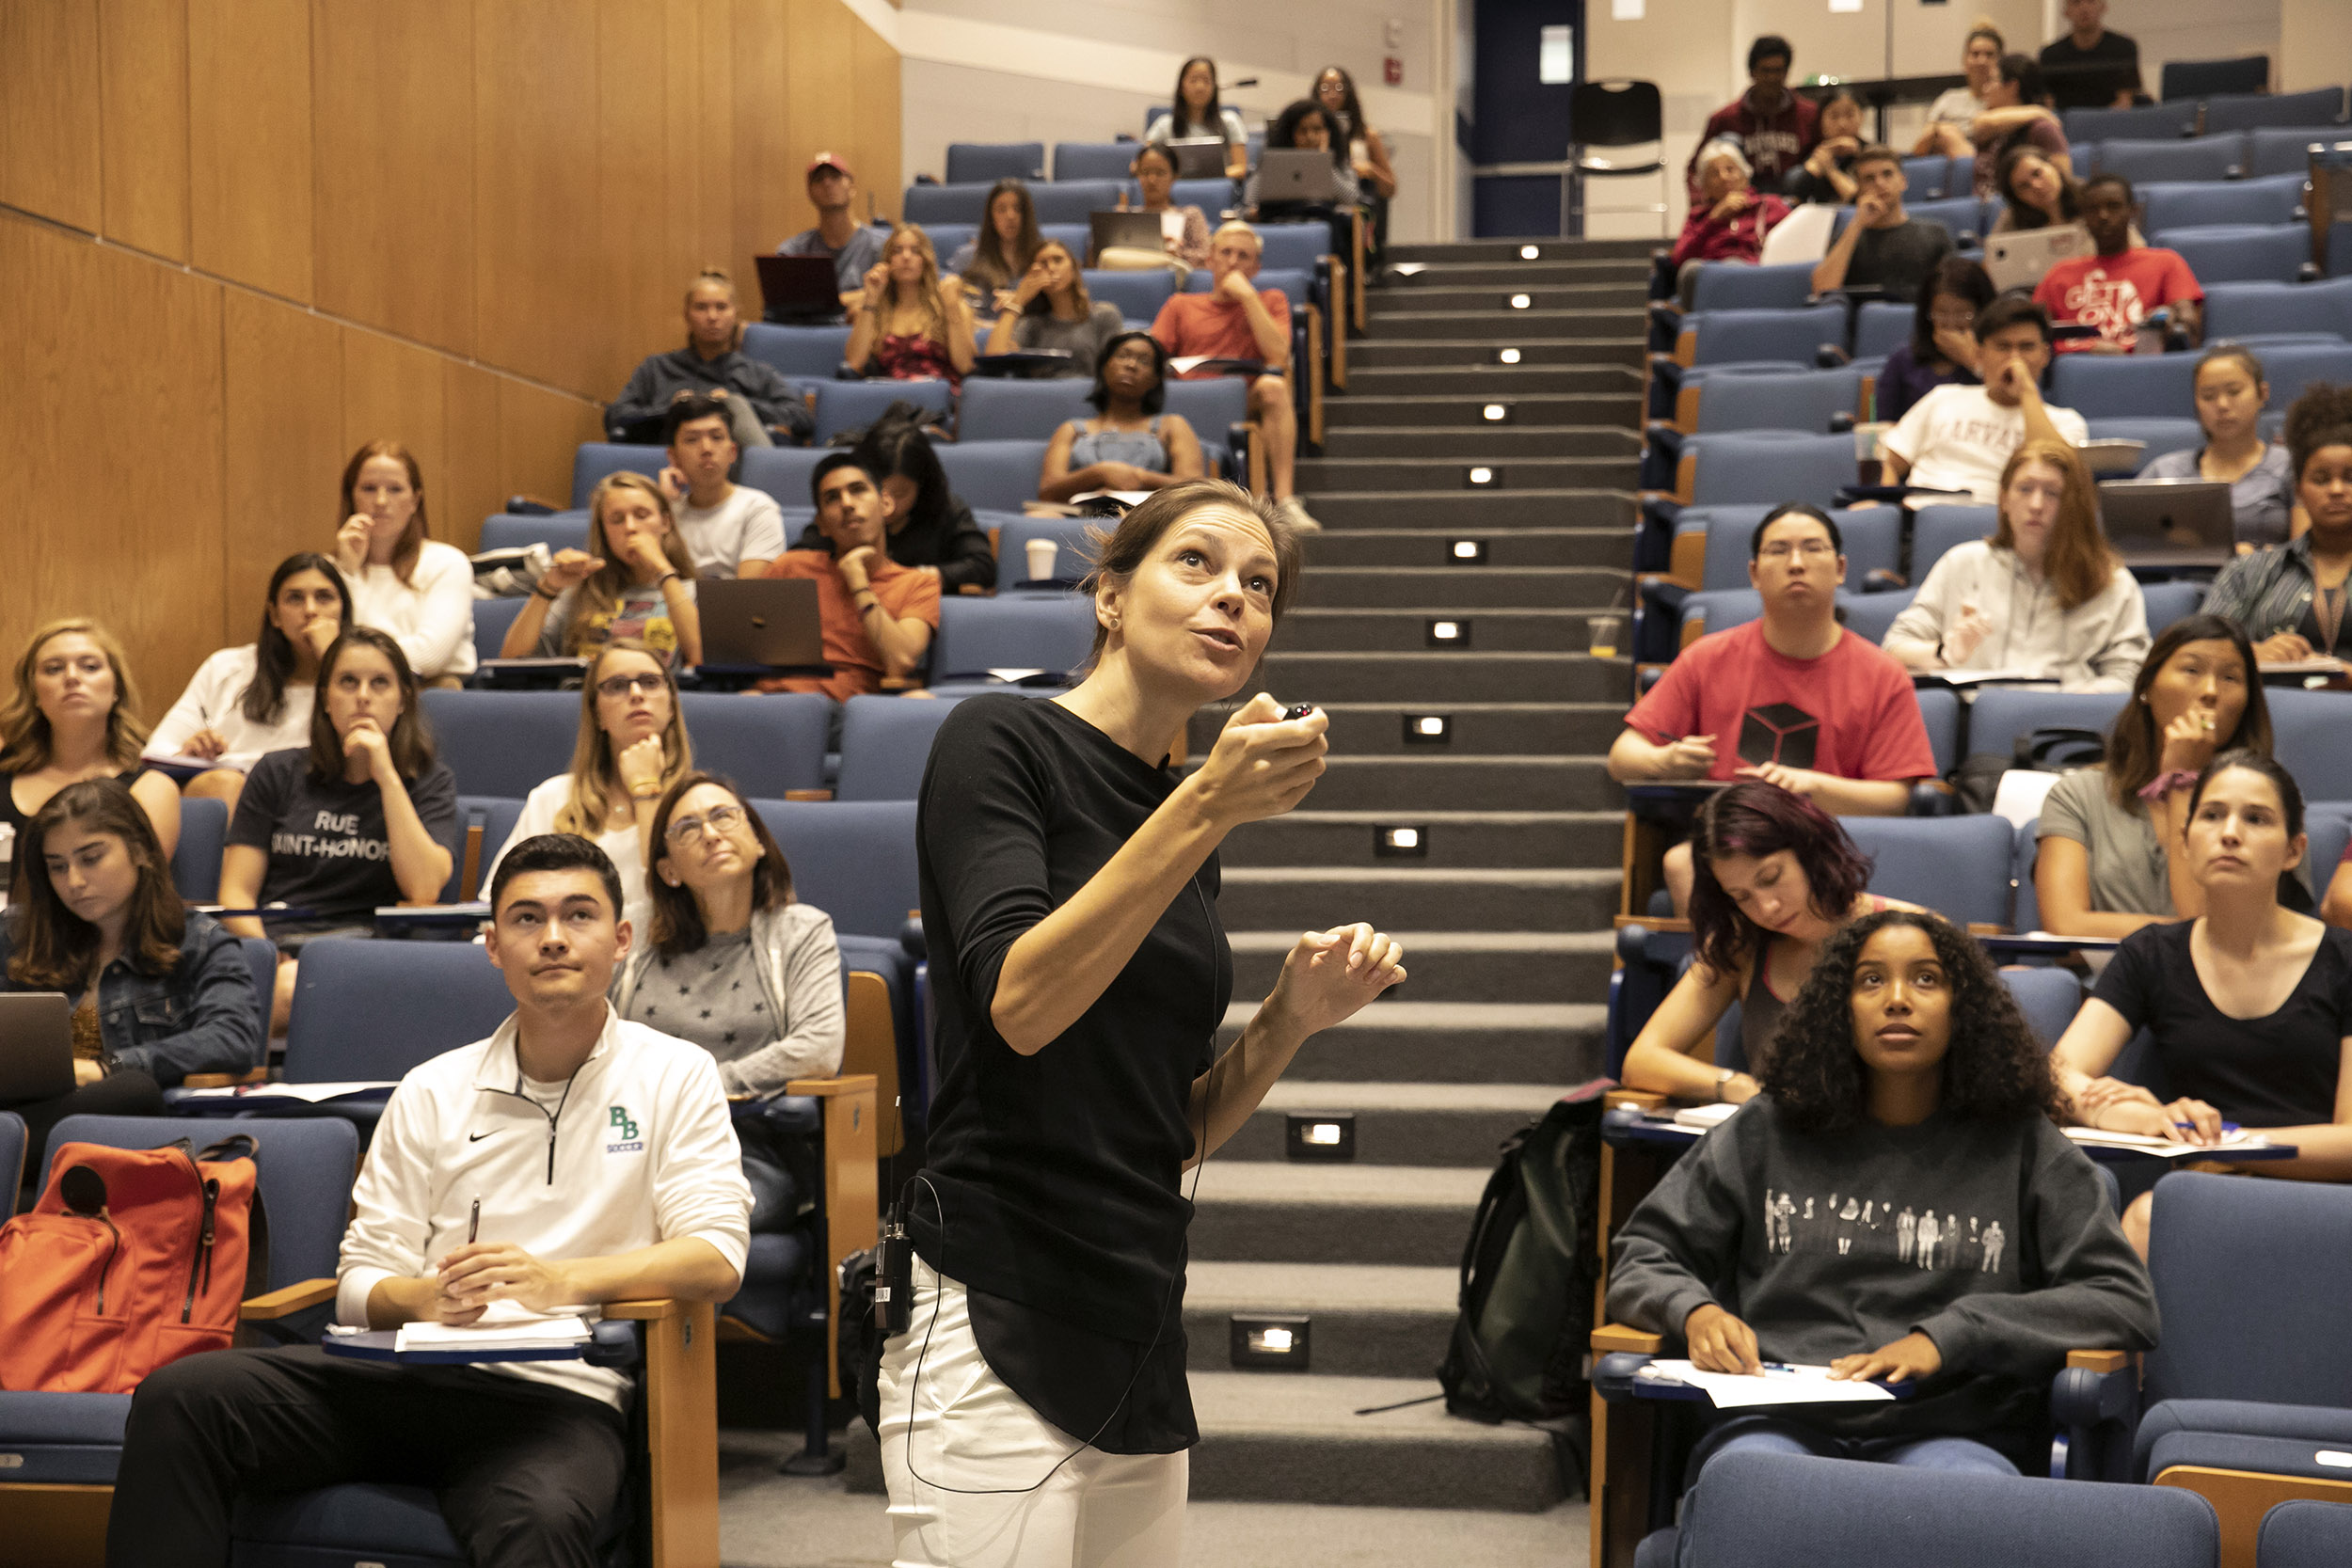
430 617
637 1149
620 845
214 700
2097 646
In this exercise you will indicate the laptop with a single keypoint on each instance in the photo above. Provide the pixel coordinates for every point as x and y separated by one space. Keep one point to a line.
764 620
1296 174
2018 261
2169 522
1198 157
798 287
36 1045
1132 230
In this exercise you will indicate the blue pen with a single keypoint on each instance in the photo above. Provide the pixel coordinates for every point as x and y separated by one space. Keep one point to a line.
2227 1127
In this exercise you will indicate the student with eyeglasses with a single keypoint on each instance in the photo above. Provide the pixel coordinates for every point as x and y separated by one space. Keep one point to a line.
732 961
632 746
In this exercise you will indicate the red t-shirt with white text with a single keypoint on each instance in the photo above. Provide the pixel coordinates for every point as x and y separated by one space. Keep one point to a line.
2115 294
1848 713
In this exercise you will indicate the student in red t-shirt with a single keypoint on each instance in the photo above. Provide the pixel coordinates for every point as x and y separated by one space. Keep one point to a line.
876 616
1237 319
2124 283
1793 698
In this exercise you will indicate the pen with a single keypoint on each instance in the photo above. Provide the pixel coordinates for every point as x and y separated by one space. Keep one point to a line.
473 1226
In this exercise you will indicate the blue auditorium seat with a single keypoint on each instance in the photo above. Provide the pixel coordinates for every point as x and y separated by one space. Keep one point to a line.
884 743
843 406
2275 150
2316 111
797 353
2243 310
1961 214
984 163
496 816
1002 410
595 459
1024 631
503 742
2304 1532
2167 602
2027 901
1291 246
2156 435
2002 715
1137 295
1104 160
2099 385
960 203
196 859
1768 467
1936 530
1767 337
2240 253
2290 367
1879 326
492 617
2195 158
372 1010
1074 535
855 861
1955 865
1740 286
1925 178
2184 204
1215 197
1872 617
2311 735
993 475
2049 998
782 473
948 238
766 744
2158 120
1074 202
558 530
1744 398
1872 537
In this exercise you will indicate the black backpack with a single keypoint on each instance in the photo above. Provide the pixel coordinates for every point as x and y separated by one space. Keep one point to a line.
1528 1272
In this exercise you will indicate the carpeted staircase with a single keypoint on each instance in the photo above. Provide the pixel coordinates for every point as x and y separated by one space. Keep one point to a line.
1505 919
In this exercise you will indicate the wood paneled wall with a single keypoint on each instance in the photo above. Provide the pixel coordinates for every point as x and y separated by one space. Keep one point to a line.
239 237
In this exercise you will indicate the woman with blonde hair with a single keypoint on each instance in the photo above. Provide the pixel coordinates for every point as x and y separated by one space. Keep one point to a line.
1050 309
74 715
2044 596
638 584
905 327
632 746
401 581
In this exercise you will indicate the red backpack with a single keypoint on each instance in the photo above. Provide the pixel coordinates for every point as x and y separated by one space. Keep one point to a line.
133 1258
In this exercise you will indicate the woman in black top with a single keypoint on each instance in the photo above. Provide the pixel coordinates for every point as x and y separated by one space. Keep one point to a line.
2250 1005
1069 882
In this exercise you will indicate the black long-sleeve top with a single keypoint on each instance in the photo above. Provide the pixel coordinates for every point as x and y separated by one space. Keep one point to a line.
660 379
1053 1187
1992 1238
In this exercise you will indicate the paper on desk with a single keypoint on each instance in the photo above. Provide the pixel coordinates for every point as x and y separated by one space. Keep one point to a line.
313 1093
503 1325
2148 1143
1703 1117
1773 1385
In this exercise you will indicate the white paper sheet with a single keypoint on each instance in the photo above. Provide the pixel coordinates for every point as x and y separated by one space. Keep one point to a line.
313 1093
503 1325
1773 1385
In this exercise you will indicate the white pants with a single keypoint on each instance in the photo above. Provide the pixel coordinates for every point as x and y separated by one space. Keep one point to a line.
971 1432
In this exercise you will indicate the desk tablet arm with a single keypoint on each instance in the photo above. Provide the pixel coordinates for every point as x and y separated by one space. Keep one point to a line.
2095 1406
297 1314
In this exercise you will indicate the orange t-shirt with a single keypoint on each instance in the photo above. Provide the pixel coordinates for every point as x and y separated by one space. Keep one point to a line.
1216 327
857 667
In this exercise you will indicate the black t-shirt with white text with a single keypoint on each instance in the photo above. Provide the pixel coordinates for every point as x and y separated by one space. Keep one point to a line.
328 847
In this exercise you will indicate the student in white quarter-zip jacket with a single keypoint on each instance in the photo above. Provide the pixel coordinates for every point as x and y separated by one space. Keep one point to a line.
601 1158
2044 596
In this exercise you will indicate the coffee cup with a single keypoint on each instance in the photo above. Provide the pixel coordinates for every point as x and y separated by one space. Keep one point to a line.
1041 554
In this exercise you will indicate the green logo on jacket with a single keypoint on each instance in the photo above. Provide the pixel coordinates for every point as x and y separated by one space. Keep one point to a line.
618 1115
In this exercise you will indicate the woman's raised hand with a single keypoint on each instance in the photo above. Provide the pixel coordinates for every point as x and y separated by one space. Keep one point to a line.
640 764
1330 975
569 569
352 541
2188 743
1263 764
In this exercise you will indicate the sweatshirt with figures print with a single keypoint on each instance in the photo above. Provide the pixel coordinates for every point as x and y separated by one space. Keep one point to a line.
1993 1238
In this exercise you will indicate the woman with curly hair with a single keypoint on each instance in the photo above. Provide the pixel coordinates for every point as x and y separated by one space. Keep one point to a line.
2290 598
1773 875
2248 1005
1898 1204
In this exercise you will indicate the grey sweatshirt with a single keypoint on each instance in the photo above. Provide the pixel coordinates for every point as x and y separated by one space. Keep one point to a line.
1991 1238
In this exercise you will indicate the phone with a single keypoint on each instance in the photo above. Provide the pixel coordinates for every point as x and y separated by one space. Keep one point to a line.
1297 710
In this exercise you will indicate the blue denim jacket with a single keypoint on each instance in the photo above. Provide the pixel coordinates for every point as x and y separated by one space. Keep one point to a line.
201 1016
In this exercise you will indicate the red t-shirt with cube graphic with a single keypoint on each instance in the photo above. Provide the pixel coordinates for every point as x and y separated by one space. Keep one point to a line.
2115 294
1848 713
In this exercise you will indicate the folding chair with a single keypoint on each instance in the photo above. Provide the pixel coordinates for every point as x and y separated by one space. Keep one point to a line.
196 859
2156 121
2318 109
885 742
766 744
1082 160
2241 253
2186 204
2198 158
503 742
1052 632
985 163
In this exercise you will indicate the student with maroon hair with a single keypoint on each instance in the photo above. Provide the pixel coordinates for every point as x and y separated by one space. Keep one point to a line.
1773 875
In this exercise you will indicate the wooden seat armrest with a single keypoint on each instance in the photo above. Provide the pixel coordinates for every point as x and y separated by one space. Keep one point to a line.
808 793
901 683
1652 922
225 1080
292 1298
658 1310
1638 1100
1617 1337
852 1209
2099 1360
822 1089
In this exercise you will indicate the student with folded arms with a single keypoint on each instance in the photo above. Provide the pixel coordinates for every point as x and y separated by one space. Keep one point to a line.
401 581
74 715
2044 594
1897 1204
732 961
2112 858
362 816
1772 878
2290 598
1131 444
633 745
245 702
596 1158
2250 1005
158 991
753 396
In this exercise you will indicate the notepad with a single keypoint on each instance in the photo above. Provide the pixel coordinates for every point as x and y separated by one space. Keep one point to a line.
2164 1148
1703 1117
503 1325
1775 1385
315 1094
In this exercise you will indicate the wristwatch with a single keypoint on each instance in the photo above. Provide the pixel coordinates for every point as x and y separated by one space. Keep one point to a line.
1724 1076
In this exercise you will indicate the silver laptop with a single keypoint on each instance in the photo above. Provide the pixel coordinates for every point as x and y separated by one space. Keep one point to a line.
1198 157
36 1045
1296 174
1129 231
770 621
2018 261
2169 522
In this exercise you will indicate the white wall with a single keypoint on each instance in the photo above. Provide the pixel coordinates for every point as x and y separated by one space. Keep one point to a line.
2314 45
2194 30
1042 70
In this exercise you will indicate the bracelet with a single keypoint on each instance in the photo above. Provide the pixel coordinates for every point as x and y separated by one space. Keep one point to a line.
543 594
2163 785
653 794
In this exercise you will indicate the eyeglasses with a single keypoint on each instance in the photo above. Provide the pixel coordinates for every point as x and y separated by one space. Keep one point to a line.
718 820
1781 549
623 686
